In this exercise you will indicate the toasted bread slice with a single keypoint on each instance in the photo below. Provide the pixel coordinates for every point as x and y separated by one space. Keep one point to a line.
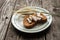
27 24
43 18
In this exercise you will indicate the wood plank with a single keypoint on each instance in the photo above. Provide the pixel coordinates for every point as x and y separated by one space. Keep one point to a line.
5 15
17 35
24 3
54 32
11 35
1 2
56 2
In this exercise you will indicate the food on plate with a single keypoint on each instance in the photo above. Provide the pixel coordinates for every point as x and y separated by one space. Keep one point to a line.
28 23
32 17
31 20
43 18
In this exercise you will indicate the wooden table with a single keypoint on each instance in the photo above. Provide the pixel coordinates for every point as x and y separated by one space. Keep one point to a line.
8 32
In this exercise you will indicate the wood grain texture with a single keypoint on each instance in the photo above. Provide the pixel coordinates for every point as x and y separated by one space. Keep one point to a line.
7 30
5 15
2 2
56 3
17 35
54 32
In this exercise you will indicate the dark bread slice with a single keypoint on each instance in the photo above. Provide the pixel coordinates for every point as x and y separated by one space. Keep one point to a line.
27 24
43 18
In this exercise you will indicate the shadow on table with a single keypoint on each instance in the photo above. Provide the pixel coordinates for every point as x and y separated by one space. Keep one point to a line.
33 35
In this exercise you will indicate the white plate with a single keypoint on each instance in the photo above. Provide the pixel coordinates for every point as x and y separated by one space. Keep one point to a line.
17 21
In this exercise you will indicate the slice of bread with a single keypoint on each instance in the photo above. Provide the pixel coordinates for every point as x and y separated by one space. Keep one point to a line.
27 24
43 18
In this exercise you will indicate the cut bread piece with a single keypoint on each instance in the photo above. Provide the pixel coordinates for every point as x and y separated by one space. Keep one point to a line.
43 18
27 24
